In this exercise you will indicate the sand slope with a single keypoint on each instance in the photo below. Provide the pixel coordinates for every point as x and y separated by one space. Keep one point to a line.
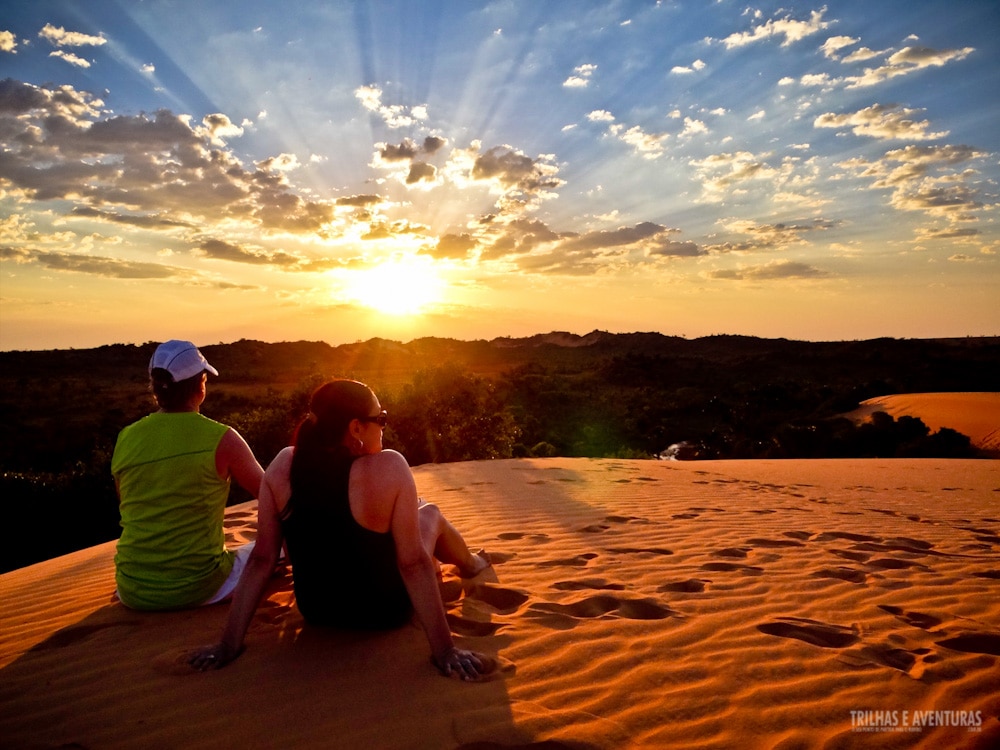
976 415
640 604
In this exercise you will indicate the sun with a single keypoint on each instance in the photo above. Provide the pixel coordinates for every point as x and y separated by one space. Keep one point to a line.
398 287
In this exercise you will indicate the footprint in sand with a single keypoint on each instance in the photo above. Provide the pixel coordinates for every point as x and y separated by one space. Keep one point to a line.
916 619
580 561
690 586
513 536
747 570
839 535
502 599
587 584
974 643
843 574
739 553
564 616
811 631
774 543
640 551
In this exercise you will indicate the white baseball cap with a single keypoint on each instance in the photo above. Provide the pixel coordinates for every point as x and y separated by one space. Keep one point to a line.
181 359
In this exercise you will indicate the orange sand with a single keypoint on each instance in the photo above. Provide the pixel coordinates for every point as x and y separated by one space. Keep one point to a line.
976 415
634 604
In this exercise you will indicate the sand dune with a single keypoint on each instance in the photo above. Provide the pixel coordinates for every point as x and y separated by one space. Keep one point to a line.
634 604
976 415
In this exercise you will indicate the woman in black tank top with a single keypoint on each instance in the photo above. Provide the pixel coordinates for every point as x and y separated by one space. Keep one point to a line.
361 544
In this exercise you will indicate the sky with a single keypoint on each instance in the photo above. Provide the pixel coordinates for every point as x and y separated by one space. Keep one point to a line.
338 171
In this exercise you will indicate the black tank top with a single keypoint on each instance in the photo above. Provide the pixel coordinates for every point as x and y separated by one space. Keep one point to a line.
344 574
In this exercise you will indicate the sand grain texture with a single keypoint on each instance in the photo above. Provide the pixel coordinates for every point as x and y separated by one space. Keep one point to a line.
717 604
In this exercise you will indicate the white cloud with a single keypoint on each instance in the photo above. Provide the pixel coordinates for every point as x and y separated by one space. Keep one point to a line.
70 58
8 42
394 115
148 68
758 115
59 37
832 46
600 115
788 28
881 121
582 76
685 69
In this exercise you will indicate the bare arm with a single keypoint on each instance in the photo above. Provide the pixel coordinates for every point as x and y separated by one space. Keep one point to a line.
257 572
388 477
233 458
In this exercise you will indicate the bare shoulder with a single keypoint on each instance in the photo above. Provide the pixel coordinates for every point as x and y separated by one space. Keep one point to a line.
282 462
384 468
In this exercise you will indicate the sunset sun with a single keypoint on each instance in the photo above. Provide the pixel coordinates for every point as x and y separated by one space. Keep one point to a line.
401 287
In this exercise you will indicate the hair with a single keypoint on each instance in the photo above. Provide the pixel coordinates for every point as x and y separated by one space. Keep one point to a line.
172 395
320 437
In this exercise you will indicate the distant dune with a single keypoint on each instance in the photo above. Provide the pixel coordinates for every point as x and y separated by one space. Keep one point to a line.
976 415
632 604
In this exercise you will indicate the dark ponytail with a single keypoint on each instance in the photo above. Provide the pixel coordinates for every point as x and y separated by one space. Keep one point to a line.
319 438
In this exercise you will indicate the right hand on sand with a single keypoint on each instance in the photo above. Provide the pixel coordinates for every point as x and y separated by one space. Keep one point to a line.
212 657
466 665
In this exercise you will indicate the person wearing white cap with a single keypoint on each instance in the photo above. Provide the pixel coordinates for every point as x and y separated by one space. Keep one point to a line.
173 470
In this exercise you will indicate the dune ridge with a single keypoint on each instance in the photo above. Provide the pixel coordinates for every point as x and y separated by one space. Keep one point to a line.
716 604
976 415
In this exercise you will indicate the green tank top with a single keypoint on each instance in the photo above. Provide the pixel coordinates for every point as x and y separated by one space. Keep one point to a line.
172 552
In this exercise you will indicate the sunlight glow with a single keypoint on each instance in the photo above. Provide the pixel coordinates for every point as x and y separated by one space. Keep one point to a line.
406 286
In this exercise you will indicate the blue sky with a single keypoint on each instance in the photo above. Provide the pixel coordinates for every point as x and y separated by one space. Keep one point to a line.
342 170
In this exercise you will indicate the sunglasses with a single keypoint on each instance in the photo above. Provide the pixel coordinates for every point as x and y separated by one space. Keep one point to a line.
381 420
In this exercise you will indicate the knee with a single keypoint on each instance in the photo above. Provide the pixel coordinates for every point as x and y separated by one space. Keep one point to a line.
430 515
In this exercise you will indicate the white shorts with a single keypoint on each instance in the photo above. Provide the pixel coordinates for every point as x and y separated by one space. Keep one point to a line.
240 557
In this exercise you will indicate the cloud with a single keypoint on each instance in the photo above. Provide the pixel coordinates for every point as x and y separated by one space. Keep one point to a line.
59 37
685 69
832 46
581 79
94 265
421 172
407 149
766 237
61 146
760 114
512 170
146 221
395 115
647 145
775 270
219 127
222 250
881 121
452 246
905 61
8 42
279 163
70 58
720 172
930 179
360 201
790 29
600 115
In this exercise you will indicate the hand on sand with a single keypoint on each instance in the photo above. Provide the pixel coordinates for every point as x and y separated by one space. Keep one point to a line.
213 657
467 665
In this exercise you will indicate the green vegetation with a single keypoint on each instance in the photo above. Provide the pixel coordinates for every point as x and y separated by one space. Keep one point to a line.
602 395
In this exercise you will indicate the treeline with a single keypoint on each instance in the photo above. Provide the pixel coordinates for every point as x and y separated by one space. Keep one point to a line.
629 396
